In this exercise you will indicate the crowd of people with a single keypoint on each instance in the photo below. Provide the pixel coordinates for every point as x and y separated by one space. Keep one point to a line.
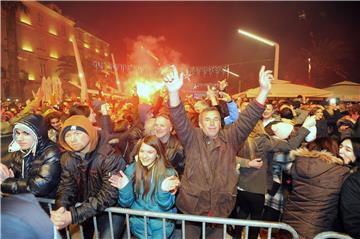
288 160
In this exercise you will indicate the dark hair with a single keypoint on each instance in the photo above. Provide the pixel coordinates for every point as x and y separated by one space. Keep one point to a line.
53 115
355 142
286 113
79 110
325 143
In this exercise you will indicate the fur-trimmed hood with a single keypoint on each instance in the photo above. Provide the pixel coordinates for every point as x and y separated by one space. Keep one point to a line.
309 164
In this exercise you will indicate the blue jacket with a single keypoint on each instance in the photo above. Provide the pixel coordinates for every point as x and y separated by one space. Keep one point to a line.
161 202
233 113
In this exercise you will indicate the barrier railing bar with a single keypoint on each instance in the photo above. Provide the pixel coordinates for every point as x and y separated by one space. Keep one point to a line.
183 229
203 229
128 226
111 225
331 234
224 231
164 228
145 227
269 233
96 228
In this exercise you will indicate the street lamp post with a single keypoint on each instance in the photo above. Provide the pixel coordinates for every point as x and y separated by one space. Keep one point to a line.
269 43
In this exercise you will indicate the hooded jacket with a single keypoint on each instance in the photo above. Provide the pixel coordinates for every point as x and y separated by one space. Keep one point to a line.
86 179
312 205
39 171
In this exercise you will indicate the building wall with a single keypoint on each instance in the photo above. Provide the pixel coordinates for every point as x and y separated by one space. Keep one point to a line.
44 35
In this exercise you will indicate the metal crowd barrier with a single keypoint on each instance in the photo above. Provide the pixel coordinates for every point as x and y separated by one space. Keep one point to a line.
328 235
182 217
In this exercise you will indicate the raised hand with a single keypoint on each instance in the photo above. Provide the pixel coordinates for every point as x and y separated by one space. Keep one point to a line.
173 80
170 184
224 96
119 181
309 122
265 78
223 84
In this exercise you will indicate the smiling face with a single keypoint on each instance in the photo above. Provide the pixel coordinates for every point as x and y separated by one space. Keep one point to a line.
163 128
268 111
346 151
24 139
319 114
147 155
55 123
77 140
210 123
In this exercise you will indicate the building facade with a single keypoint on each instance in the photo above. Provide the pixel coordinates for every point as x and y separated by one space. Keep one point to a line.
44 37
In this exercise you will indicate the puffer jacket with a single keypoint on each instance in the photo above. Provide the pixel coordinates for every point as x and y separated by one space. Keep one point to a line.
41 170
87 181
312 205
208 185
162 202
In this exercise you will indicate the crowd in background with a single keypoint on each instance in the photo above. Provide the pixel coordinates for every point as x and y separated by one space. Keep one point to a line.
296 163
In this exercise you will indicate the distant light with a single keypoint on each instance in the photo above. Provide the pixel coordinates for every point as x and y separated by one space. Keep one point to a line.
106 54
52 31
8 99
25 19
86 45
31 77
263 40
332 101
81 75
97 50
54 54
118 82
27 47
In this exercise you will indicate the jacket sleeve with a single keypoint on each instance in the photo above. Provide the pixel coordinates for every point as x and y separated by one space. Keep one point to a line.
233 113
350 205
43 182
67 191
277 145
239 131
183 127
107 195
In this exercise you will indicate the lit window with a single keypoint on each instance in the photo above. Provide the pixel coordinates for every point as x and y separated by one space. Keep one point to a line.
31 76
52 31
54 54
27 47
24 18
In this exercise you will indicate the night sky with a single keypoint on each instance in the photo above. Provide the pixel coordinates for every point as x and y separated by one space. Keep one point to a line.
205 33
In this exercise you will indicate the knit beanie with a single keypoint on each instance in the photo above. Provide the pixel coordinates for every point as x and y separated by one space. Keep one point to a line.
81 123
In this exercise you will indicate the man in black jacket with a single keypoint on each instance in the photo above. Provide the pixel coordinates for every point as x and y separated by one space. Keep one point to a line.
86 168
33 164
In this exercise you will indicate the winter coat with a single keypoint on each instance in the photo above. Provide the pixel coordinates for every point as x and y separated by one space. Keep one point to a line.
175 154
312 205
350 205
260 180
37 173
87 181
162 202
208 185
